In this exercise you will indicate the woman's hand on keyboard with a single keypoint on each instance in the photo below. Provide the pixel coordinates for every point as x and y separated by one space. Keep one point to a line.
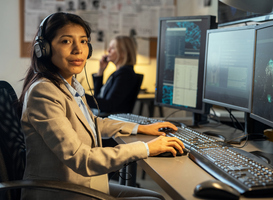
163 144
156 128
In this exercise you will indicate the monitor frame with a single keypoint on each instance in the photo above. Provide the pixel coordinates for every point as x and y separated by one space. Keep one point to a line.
203 108
219 103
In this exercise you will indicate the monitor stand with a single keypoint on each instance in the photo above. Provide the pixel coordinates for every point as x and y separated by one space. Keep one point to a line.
199 119
227 133
255 129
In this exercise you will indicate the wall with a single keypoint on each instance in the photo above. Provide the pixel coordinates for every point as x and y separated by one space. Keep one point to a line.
13 67
196 7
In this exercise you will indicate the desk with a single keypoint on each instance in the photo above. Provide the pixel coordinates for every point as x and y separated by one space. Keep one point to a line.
178 176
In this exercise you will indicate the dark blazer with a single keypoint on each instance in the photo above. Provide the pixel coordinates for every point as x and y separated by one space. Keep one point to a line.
118 91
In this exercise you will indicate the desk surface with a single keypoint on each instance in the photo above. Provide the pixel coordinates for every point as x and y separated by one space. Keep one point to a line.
178 176
148 96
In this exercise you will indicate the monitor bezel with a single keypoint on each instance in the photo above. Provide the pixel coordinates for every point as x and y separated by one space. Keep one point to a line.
218 103
204 108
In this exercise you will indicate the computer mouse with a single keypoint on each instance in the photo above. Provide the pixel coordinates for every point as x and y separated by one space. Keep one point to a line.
177 124
215 189
166 130
169 154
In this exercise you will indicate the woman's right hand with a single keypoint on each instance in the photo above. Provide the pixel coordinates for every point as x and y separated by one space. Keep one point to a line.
162 144
103 65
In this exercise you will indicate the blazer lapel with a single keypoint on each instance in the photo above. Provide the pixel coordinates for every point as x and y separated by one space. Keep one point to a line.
79 113
95 121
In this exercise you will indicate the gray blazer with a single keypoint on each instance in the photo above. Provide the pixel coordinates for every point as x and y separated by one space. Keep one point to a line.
61 145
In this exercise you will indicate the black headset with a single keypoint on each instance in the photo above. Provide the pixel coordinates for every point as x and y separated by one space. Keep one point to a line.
42 46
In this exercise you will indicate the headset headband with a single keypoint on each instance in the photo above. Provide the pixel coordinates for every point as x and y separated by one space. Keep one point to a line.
41 30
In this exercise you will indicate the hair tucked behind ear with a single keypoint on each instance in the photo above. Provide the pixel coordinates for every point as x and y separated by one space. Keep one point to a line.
43 67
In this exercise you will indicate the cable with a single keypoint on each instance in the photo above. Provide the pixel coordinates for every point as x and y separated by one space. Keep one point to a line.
95 118
233 117
245 135
171 114
214 116
91 90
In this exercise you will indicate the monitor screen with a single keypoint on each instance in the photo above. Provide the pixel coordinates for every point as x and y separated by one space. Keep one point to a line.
229 67
180 62
262 105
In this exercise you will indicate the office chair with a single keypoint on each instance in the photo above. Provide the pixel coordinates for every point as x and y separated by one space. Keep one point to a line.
13 155
132 99
136 91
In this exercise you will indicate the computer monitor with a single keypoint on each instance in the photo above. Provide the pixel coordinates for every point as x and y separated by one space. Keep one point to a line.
180 63
229 67
262 104
229 63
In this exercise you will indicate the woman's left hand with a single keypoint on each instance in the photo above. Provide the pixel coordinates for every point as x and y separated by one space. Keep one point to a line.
153 129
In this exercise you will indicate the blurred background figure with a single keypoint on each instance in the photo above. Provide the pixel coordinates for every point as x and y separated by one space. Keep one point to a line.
119 93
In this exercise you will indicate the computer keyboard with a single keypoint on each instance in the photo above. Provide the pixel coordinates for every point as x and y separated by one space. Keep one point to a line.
128 117
242 170
192 138
187 135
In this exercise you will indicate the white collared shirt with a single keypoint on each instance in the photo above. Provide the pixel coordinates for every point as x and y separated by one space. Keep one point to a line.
77 92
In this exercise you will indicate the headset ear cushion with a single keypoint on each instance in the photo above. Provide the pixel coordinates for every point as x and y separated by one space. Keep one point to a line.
42 49
90 50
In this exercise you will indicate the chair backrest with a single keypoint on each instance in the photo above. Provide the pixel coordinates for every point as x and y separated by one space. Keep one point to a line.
132 100
12 144
136 91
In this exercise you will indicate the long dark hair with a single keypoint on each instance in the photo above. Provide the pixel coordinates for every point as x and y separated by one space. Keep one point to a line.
43 67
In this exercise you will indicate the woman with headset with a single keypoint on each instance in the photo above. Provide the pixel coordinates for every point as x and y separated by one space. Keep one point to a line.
63 137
